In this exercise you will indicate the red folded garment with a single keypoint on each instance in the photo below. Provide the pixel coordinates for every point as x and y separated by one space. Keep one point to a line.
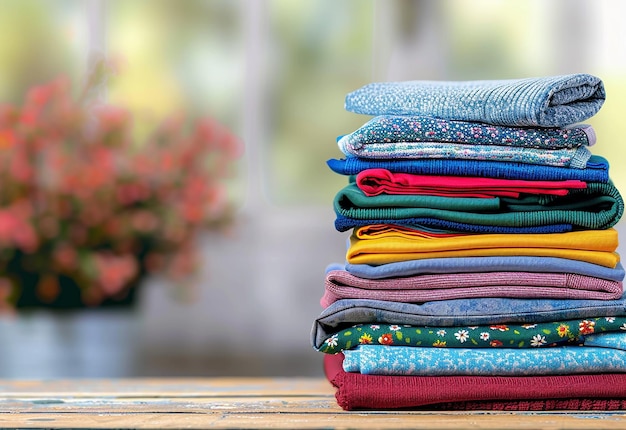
511 393
378 181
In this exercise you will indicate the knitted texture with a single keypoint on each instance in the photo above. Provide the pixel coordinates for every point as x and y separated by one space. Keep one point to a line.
596 170
553 101
532 393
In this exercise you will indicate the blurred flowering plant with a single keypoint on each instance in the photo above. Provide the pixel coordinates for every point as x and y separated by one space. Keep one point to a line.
84 206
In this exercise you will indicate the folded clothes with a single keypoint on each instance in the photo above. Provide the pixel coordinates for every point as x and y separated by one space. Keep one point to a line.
482 264
340 284
354 391
381 181
411 360
598 206
552 101
597 169
381 244
600 332
458 312
389 129
575 158
344 223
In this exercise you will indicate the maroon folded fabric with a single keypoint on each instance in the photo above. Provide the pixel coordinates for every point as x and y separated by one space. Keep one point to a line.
341 284
378 181
355 391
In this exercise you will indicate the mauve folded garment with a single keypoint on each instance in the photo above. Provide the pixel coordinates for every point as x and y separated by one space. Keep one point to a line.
340 284
381 181
550 101
355 391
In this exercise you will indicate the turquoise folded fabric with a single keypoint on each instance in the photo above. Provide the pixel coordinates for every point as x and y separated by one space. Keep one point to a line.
554 101
411 361
482 264
597 169
597 207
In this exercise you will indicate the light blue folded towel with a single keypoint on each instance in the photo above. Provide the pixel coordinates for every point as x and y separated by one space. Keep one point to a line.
551 101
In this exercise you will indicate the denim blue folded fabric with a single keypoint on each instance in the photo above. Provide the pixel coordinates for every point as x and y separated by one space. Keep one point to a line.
597 169
412 361
551 101
344 223
482 264
348 312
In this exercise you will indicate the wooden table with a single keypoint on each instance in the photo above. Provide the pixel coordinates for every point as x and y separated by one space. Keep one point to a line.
239 403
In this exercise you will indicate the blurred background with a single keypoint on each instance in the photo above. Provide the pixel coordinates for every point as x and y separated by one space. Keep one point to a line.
274 73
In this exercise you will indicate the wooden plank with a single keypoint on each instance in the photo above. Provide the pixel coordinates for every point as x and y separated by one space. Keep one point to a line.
241 403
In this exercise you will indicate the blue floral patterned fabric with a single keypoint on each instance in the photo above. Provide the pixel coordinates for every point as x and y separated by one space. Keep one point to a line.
407 360
552 101
389 129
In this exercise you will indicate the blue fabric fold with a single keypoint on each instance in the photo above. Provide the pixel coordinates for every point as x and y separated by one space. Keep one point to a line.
484 264
348 312
551 101
412 361
597 169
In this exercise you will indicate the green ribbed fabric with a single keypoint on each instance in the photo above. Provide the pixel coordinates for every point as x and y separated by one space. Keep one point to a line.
597 207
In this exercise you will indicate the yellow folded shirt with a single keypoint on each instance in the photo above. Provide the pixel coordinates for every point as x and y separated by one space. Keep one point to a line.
387 245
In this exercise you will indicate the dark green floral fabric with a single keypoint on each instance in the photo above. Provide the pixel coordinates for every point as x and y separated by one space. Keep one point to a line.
483 336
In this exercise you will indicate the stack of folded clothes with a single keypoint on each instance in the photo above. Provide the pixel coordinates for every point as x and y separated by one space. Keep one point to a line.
482 269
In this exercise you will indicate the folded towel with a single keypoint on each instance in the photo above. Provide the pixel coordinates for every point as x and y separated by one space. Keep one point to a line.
598 206
575 158
340 284
484 264
552 101
389 129
597 169
605 391
381 181
381 244
458 312
410 360
600 332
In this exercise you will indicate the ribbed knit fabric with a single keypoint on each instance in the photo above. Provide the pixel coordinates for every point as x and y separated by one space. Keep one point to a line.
397 244
567 392
340 284
481 264
553 101
381 181
597 169
390 129
428 361
343 223
597 207
457 312
575 158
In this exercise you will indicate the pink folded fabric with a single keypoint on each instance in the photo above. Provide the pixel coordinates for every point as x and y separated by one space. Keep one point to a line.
341 284
354 391
381 181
